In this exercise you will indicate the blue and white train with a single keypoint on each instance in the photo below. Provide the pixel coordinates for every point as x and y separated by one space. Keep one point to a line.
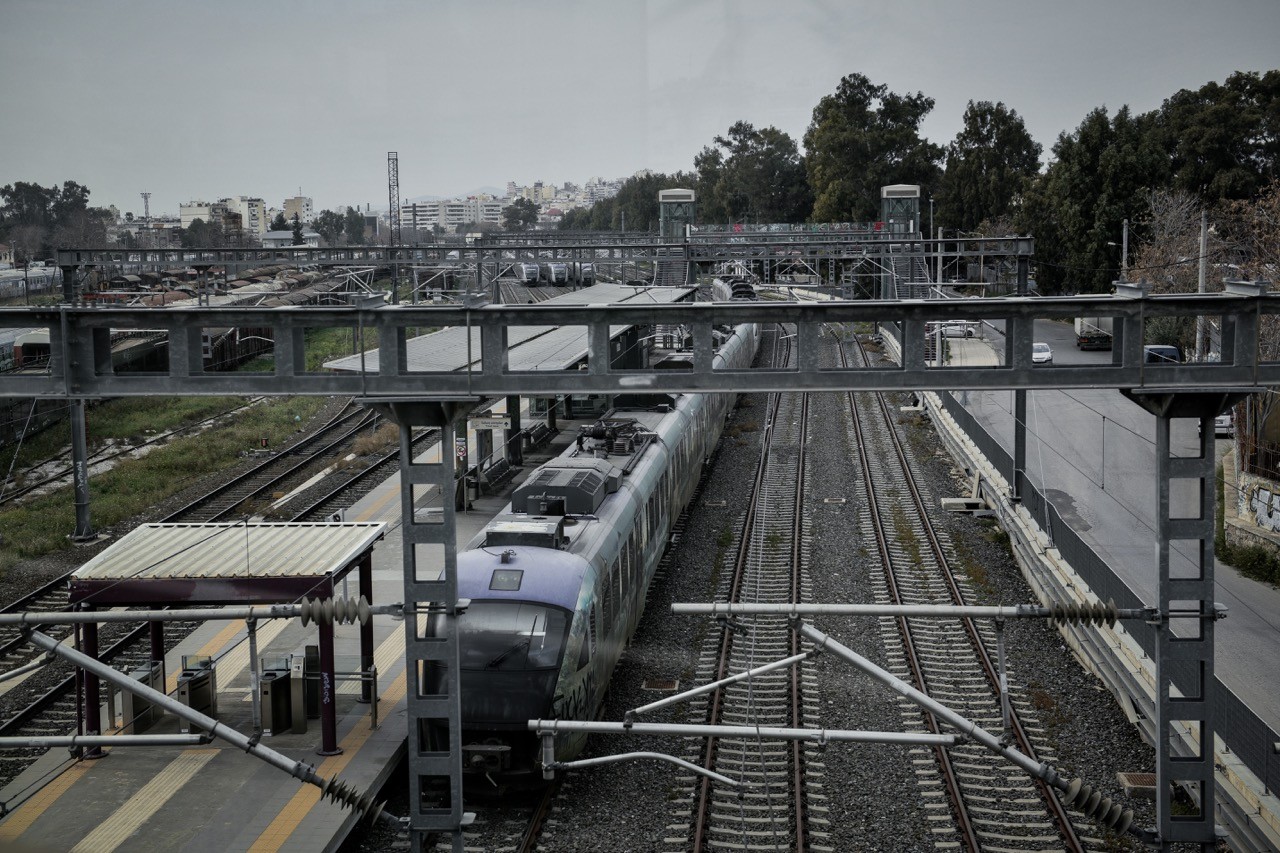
557 581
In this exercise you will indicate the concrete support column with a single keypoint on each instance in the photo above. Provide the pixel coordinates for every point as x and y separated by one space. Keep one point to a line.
80 469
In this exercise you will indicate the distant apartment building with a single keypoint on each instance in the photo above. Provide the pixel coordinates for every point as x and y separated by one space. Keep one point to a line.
253 214
202 210
300 206
451 213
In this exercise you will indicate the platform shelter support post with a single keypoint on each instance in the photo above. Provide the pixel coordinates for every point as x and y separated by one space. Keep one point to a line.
434 705
367 686
156 630
328 691
92 694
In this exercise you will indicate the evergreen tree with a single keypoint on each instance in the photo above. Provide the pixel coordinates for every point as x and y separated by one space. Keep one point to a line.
862 138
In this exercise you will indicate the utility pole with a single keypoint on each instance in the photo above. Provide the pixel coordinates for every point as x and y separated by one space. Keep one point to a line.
1124 252
1204 263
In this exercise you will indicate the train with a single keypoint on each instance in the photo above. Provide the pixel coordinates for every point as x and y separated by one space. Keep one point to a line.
578 273
525 273
732 289
553 272
557 581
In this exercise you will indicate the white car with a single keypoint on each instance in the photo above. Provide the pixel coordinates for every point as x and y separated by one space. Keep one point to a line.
1041 354
952 329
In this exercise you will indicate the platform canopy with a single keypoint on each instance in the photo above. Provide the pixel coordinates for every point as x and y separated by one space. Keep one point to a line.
268 563
541 347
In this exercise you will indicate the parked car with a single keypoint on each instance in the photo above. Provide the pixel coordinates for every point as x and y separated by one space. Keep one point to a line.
953 329
1161 354
1041 354
1224 425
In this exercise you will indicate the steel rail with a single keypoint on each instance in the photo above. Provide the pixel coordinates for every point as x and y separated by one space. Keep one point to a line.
795 640
1063 822
952 783
387 459
702 799
348 413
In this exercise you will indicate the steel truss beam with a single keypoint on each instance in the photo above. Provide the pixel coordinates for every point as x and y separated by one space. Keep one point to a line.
80 362
698 250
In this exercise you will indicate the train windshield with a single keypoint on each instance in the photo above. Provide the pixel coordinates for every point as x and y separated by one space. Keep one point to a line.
511 635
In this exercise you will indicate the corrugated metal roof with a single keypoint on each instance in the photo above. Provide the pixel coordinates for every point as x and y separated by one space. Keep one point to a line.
215 551
528 347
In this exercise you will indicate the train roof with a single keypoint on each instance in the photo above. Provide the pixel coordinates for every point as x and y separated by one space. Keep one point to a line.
528 574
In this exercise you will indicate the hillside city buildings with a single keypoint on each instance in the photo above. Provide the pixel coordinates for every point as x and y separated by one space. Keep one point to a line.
247 219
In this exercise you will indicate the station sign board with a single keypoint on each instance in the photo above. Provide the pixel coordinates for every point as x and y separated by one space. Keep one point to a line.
490 422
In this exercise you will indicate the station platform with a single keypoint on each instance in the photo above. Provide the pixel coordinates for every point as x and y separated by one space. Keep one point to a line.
216 797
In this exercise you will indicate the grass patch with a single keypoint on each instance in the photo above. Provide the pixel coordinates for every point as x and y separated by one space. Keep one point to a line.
41 525
130 419
974 569
377 442
906 535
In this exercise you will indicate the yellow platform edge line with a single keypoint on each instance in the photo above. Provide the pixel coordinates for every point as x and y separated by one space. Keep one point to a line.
31 809
296 810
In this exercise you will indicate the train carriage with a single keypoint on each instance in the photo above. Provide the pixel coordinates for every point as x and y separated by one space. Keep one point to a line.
557 581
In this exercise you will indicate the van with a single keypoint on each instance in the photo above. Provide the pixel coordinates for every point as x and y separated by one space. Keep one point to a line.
1161 354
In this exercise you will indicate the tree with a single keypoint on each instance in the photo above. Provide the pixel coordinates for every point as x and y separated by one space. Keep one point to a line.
990 163
861 138
279 223
1223 139
756 174
202 234
353 225
298 239
329 225
1102 174
1253 227
520 214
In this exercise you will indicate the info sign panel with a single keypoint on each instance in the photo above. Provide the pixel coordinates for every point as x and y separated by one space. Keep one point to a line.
490 422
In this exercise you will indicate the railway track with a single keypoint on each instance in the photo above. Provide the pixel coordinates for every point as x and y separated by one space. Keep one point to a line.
281 473
514 826
778 781
993 805
44 701
61 475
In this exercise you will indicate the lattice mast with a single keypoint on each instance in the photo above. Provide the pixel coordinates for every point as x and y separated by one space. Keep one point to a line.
393 197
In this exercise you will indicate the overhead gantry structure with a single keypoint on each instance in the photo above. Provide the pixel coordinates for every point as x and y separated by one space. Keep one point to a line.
80 366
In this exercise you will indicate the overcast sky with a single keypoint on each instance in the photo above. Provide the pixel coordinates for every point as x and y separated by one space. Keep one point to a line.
201 101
